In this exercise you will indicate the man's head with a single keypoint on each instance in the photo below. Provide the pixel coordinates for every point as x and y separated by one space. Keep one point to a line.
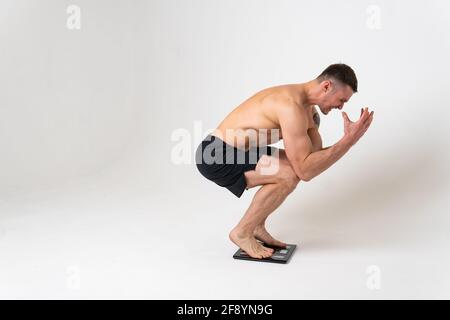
337 83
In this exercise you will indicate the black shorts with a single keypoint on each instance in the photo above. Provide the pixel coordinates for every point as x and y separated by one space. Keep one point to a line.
225 165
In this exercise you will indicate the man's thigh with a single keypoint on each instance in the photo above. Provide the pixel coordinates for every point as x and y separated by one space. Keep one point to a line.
270 169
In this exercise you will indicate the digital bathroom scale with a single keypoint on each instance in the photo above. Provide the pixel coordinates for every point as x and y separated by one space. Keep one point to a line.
280 255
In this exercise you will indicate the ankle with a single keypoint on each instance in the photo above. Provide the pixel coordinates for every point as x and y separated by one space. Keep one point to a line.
242 232
260 227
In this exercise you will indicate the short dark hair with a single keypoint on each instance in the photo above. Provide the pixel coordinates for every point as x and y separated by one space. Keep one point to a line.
342 73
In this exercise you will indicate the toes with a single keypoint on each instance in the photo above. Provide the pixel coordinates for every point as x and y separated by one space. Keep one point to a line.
257 255
269 240
270 250
264 253
253 247
267 248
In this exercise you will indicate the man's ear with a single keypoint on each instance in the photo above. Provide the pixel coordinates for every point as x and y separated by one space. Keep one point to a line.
326 85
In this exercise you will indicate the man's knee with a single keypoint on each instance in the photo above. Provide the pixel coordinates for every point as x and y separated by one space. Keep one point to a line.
289 180
293 181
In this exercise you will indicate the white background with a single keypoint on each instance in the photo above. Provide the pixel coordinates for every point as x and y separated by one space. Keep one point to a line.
92 204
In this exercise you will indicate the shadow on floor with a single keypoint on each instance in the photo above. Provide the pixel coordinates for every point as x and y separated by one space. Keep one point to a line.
383 206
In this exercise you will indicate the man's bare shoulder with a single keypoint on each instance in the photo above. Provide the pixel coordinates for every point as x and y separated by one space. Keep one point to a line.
274 94
291 109
281 96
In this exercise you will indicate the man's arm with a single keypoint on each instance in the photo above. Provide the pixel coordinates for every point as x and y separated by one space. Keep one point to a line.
298 146
314 134
316 140
317 162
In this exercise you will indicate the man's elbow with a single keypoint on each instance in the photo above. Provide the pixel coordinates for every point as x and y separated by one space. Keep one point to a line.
303 174
300 170
305 177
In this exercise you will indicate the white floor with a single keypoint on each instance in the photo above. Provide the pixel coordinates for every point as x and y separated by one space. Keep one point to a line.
113 235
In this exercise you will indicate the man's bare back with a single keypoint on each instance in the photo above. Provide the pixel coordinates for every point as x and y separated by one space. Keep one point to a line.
260 112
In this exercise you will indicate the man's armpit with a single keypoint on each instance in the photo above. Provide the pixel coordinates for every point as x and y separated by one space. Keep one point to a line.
316 118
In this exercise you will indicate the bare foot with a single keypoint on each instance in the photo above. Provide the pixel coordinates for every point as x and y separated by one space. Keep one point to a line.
249 244
261 234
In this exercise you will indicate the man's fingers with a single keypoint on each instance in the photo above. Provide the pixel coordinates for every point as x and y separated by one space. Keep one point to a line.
365 115
369 121
370 118
345 116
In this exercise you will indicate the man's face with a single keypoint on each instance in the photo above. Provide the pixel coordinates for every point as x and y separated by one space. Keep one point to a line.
334 95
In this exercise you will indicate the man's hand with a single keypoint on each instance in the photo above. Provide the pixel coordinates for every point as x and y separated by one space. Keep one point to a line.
355 130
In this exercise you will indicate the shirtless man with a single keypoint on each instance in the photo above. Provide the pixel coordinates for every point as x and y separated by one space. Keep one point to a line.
291 111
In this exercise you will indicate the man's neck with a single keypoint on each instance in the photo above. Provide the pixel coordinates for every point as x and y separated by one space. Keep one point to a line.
309 93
